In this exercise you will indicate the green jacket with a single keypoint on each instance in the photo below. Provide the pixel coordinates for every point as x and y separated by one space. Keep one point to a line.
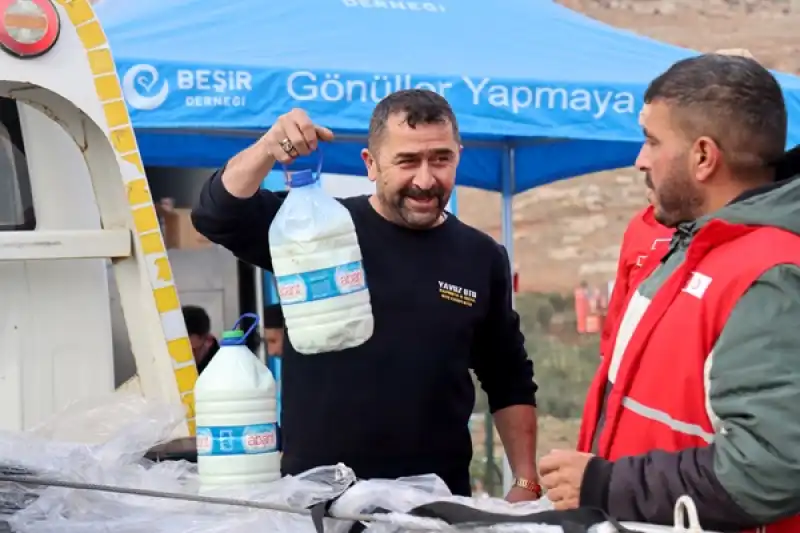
750 475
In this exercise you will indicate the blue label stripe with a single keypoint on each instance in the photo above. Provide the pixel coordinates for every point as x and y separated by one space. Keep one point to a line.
237 440
321 284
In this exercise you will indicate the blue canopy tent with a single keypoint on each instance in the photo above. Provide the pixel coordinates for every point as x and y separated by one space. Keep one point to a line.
541 92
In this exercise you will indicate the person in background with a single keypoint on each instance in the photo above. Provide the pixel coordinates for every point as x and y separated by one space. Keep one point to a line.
398 405
274 333
273 330
643 236
701 394
204 344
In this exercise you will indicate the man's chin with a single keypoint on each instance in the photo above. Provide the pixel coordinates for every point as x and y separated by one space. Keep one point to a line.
421 220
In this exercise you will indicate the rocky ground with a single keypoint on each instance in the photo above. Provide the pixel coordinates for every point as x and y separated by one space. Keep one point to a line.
570 231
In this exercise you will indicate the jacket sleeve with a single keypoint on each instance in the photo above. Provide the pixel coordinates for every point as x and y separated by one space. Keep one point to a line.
748 476
499 357
240 225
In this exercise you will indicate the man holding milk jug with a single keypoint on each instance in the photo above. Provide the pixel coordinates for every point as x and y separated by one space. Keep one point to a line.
388 301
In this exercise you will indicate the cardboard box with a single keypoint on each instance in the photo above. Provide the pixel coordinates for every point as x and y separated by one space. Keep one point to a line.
178 231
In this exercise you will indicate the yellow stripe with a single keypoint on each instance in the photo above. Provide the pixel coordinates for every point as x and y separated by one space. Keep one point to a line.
186 378
136 160
138 192
91 35
90 32
78 12
180 350
188 402
166 299
101 62
164 271
152 243
145 219
116 114
123 140
108 88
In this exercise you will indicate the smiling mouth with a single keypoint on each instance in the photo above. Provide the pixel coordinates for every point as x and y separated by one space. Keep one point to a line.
423 202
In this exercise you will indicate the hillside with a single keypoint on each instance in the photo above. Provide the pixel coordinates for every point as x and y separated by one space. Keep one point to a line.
570 231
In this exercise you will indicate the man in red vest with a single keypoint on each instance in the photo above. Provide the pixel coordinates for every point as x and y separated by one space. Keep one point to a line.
700 395
643 236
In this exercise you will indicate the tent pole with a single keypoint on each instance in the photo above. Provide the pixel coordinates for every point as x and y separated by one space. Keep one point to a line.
259 285
509 176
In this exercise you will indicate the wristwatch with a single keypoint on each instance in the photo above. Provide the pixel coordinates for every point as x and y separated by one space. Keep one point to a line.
528 485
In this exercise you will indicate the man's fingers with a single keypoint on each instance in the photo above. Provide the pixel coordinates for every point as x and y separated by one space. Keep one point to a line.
302 134
324 134
556 494
296 137
272 140
552 461
552 480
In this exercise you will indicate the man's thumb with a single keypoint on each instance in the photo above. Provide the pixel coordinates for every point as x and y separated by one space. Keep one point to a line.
324 134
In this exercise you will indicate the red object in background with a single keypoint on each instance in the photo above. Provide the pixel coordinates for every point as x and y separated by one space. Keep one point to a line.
581 308
515 282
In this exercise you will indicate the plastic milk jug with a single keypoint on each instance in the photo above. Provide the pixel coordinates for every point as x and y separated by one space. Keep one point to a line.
321 281
236 413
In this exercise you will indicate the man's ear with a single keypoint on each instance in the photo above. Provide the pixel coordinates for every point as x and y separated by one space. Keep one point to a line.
370 163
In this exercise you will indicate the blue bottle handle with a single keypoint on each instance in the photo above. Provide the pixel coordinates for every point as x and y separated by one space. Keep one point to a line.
318 171
252 327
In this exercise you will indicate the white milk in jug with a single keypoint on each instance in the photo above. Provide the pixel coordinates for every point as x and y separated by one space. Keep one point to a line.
317 265
236 413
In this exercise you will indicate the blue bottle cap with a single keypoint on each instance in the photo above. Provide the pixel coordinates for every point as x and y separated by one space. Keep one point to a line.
301 178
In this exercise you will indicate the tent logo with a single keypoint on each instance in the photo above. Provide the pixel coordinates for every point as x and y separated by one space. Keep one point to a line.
143 88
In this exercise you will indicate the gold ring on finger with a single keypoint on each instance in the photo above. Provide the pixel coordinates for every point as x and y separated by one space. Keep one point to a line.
288 147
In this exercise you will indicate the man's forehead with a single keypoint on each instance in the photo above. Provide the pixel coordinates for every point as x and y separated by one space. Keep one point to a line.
655 115
643 114
427 137
398 123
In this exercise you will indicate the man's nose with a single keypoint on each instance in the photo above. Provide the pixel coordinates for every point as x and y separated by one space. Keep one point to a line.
641 160
424 178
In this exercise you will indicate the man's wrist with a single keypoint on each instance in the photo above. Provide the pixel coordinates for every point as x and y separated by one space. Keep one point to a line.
529 484
595 483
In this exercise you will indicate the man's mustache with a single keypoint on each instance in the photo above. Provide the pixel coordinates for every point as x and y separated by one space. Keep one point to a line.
415 193
648 181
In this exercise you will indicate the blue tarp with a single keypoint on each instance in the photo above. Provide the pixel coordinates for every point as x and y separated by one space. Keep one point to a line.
202 77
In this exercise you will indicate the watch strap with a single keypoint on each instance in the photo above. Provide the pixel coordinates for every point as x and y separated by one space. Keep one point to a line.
527 484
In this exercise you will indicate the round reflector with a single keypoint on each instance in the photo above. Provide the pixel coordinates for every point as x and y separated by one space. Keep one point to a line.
28 28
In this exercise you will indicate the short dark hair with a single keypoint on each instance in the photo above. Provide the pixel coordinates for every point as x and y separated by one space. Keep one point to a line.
197 320
419 106
732 99
273 316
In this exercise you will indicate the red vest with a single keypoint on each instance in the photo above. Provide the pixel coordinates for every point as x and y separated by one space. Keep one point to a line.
641 414
643 237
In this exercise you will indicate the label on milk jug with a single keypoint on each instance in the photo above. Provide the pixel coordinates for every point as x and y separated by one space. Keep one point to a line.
321 284
237 440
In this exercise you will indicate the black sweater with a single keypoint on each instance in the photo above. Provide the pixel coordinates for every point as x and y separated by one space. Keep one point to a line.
399 405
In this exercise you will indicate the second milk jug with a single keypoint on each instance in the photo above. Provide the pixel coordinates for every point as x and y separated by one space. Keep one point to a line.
237 419
317 265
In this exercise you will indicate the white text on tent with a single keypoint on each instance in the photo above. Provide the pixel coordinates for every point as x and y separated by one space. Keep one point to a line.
519 97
